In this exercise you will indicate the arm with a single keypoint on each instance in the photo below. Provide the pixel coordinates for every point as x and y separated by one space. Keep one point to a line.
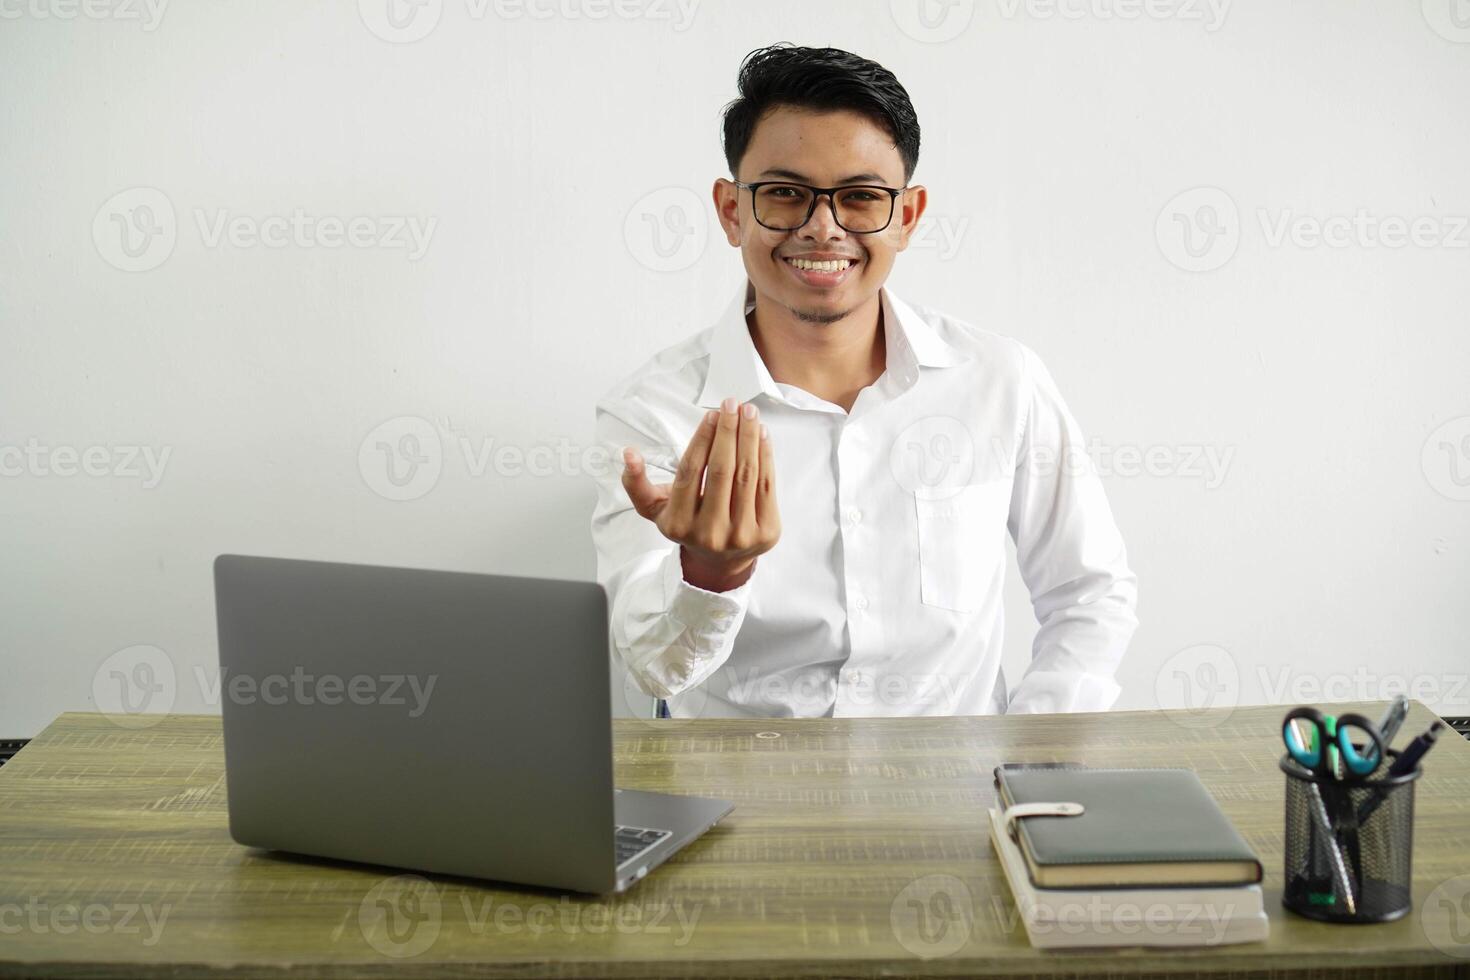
1072 559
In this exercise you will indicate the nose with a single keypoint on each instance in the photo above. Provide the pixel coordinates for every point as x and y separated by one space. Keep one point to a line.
822 225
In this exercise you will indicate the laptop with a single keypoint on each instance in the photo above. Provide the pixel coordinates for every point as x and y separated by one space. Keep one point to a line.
434 721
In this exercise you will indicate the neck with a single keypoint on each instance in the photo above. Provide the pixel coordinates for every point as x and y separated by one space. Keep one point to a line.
833 359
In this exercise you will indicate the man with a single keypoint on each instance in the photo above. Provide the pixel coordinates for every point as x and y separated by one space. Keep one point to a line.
829 540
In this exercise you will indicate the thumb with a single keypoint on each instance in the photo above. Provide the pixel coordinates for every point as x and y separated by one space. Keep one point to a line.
646 498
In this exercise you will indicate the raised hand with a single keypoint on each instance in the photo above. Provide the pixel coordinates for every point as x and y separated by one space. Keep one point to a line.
721 507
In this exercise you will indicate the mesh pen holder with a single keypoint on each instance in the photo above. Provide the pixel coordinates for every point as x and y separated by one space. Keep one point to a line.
1349 844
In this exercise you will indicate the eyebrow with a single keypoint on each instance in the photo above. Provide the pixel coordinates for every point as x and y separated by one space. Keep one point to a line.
865 178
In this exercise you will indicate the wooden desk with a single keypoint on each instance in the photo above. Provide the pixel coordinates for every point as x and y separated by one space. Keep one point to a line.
109 833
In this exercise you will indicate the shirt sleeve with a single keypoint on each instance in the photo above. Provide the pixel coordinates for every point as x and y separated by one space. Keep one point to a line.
1072 559
669 635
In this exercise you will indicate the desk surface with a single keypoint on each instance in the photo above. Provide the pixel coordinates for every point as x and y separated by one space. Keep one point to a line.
857 848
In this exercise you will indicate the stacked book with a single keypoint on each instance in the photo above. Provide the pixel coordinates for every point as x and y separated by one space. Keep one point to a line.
1131 857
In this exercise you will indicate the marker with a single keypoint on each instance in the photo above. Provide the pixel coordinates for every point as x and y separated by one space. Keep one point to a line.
1408 759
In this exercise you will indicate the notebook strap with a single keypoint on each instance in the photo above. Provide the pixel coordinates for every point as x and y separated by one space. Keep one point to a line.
1018 810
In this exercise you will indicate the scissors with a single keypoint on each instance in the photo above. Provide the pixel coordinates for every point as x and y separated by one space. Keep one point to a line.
1330 745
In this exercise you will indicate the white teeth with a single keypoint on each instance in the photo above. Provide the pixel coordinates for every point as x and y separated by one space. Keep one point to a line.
833 265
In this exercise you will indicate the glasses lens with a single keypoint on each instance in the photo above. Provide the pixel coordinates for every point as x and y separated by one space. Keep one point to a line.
863 209
782 206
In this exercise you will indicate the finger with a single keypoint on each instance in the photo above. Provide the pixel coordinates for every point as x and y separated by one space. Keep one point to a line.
766 514
684 494
647 498
747 468
714 508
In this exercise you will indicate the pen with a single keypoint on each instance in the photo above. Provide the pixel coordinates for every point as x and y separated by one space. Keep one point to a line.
1318 808
1406 762
1409 758
1393 718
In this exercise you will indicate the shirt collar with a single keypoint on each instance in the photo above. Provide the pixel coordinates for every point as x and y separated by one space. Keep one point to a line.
737 371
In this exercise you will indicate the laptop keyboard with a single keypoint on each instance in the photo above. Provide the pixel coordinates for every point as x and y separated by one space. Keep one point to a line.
633 841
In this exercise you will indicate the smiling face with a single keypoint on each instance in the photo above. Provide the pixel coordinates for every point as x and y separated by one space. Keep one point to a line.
820 272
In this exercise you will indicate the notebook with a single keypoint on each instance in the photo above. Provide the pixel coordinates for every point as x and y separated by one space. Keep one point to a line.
1060 918
1139 827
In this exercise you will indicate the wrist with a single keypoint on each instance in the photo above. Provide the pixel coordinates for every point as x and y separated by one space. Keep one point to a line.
714 576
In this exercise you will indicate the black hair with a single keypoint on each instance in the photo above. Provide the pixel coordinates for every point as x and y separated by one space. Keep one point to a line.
824 80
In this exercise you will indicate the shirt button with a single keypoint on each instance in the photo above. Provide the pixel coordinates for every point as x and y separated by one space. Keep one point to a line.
861 602
854 515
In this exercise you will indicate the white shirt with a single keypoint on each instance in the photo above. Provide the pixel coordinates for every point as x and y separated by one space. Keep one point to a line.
883 596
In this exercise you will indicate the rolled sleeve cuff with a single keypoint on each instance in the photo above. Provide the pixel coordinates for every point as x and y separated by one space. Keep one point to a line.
707 623
699 609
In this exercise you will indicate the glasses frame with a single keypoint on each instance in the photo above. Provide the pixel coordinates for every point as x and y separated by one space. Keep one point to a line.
817 194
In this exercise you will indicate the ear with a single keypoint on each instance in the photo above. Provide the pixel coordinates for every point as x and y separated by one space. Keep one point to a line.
727 208
909 208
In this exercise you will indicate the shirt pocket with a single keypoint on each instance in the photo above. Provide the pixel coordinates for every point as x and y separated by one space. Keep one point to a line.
958 530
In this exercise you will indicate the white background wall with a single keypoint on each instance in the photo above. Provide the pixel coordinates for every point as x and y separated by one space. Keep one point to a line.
1330 380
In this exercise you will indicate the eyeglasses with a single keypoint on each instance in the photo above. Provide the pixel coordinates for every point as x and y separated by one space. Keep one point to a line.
861 209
